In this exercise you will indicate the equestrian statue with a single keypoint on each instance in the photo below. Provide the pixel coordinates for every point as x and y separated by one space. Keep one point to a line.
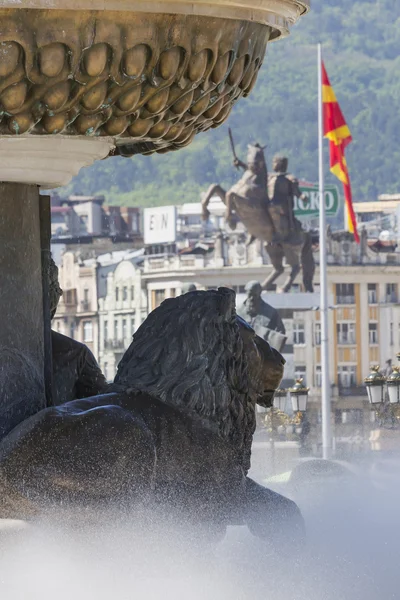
265 205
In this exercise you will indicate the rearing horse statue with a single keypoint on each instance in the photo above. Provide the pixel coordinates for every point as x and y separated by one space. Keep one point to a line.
265 206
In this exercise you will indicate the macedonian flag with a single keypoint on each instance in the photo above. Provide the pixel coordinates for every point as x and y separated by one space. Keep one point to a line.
338 133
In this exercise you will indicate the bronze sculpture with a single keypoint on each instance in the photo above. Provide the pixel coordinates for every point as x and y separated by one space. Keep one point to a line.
175 431
76 373
262 317
151 81
264 204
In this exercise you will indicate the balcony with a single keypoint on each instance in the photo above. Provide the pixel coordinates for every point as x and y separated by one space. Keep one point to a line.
86 306
391 298
346 340
66 309
345 300
114 344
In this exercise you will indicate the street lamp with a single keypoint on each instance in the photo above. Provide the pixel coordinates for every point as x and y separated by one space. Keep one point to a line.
299 396
384 400
375 384
393 385
280 400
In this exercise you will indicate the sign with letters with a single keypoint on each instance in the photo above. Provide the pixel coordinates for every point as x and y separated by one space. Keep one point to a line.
306 209
160 225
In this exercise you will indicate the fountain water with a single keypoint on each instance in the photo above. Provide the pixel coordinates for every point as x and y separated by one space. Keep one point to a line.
81 80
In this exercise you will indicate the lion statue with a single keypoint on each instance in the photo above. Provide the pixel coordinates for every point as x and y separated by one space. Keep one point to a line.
175 430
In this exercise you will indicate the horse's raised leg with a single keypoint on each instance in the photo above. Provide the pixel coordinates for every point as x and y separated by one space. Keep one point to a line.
275 252
292 255
214 190
308 264
229 215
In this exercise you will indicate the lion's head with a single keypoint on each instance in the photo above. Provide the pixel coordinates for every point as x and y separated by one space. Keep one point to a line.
194 353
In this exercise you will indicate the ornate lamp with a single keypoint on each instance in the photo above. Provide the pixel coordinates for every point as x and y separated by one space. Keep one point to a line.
375 384
280 400
393 385
299 396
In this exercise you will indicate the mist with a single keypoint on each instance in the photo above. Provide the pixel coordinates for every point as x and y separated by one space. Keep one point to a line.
352 549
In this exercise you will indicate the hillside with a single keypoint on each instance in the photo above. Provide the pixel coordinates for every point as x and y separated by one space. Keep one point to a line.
361 52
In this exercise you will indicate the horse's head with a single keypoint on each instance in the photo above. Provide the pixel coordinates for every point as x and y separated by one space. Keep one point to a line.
256 160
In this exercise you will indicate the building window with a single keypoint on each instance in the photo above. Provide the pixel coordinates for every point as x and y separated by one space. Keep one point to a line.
124 293
345 293
172 293
373 333
115 329
132 327
317 334
346 333
87 331
72 331
300 372
116 294
135 223
318 377
391 292
372 293
105 369
124 329
86 295
298 333
132 293
391 334
105 330
58 325
347 376
69 297
158 296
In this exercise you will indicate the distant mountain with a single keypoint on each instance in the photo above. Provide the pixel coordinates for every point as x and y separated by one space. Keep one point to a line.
361 41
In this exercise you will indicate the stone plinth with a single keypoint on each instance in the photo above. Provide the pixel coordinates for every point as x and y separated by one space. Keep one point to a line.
21 323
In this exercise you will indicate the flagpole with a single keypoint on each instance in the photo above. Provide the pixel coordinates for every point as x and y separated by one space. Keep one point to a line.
325 391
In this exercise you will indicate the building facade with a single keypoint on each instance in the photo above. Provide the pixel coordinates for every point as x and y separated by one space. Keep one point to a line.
107 298
77 314
122 307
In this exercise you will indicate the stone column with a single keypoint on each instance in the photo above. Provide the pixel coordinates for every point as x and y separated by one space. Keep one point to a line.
21 322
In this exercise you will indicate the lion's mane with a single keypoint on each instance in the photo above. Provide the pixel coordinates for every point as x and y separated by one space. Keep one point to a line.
189 354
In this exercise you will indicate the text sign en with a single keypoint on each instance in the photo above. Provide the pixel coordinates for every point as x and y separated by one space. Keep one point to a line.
160 225
304 209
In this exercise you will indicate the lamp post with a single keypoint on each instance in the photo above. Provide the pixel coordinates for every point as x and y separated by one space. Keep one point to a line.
279 406
280 399
298 395
384 395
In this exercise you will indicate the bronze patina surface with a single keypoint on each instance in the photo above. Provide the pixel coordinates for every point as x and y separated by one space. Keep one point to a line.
175 433
149 81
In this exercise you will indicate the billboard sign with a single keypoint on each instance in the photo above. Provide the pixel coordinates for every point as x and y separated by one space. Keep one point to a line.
309 209
160 225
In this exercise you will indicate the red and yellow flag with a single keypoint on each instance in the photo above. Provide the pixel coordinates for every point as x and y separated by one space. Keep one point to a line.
339 136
